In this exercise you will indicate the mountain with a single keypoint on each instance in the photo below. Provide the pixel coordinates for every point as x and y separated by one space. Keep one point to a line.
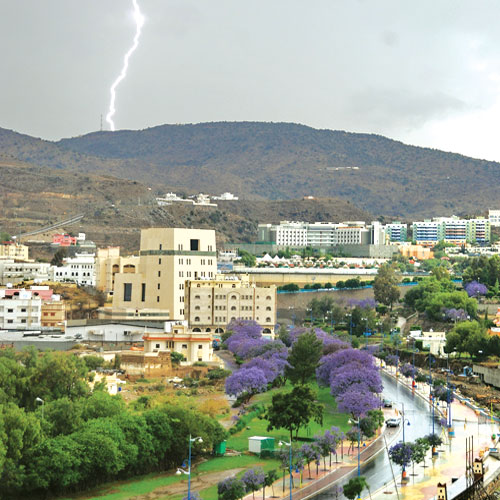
34 197
277 161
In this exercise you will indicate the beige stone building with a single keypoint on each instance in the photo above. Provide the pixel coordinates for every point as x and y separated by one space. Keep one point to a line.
168 257
212 304
195 346
108 263
16 251
54 314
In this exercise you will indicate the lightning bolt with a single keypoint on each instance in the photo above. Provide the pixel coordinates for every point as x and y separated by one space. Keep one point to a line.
139 23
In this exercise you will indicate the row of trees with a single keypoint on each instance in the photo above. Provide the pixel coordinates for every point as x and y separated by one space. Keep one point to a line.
78 438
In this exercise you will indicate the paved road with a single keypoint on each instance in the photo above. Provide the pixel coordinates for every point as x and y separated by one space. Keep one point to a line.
378 471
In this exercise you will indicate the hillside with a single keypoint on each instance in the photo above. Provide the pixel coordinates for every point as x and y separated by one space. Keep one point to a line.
115 209
277 161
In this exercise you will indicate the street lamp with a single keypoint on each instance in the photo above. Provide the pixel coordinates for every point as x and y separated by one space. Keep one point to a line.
413 383
451 431
284 443
354 421
309 310
188 471
40 400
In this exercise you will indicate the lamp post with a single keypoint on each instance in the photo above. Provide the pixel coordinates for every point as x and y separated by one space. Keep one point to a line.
356 421
284 443
188 471
40 400
451 430
309 310
431 399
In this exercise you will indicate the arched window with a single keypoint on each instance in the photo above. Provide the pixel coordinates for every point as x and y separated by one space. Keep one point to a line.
233 318
233 297
233 308
219 330
268 320
268 297
196 296
197 318
208 329
196 330
268 308
197 308
266 330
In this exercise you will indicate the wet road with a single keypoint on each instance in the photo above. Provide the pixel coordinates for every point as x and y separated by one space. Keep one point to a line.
378 471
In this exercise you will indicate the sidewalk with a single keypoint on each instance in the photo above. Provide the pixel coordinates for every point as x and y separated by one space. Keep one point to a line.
321 479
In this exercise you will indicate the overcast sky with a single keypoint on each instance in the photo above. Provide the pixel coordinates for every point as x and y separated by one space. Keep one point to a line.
426 72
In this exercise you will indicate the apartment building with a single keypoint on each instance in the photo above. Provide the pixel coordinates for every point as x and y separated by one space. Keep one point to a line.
494 217
53 314
195 346
108 263
13 250
321 234
451 230
16 272
212 304
79 269
167 258
396 232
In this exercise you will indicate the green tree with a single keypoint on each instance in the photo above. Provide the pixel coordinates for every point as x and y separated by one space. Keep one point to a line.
58 258
177 357
231 488
100 405
304 358
247 258
354 487
293 410
385 285
269 480
467 336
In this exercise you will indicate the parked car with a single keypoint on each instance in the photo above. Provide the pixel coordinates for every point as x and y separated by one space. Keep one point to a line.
387 403
393 422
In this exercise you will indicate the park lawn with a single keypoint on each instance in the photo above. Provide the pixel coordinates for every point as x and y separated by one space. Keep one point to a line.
258 426
225 463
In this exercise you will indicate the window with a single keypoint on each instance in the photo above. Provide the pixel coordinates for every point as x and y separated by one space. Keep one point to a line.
197 318
127 292
233 308
159 274
268 320
10 321
197 308
194 245
196 296
143 292
23 310
159 261
157 298
268 308
157 346
184 346
268 297
160 246
200 346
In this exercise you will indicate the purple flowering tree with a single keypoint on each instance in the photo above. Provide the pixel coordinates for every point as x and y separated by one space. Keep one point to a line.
392 360
455 315
408 370
328 443
330 363
363 303
246 383
310 453
354 374
475 289
401 454
357 400
253 479
231 488
266 366
246 338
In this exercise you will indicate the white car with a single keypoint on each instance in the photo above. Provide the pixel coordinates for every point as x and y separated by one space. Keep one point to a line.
393 422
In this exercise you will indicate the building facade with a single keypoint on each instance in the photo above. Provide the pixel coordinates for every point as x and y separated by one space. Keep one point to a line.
452 230
494 217
15 272
13 250
168 257
79 269
212 304
108 263
321 234
194 346
396 232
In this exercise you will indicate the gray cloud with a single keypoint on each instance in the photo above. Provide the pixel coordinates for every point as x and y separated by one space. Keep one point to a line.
385 67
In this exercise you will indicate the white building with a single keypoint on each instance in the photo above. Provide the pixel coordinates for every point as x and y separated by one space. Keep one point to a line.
225 197
494 217
21 310
16 272
79 269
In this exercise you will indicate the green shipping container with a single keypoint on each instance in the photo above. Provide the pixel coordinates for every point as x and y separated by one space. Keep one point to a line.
220 449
